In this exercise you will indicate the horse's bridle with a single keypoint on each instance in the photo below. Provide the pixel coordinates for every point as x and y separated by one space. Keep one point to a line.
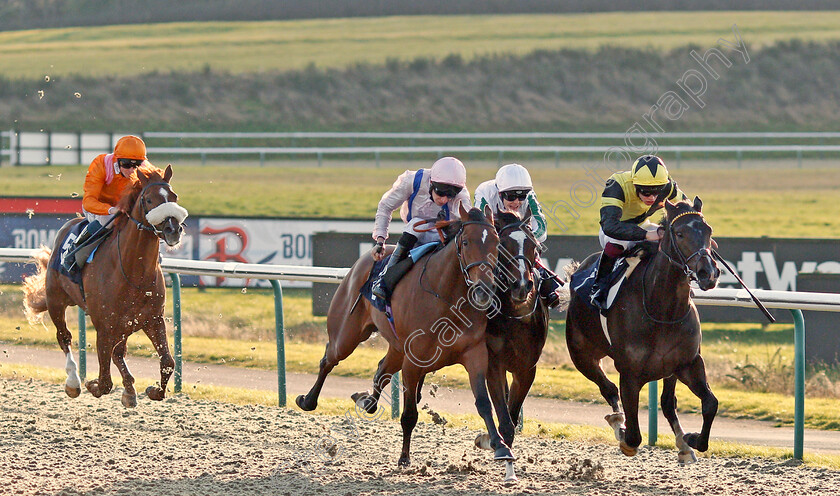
145 225
465 268
682 261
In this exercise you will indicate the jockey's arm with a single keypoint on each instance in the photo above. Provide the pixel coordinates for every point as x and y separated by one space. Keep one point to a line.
613 226
538 224
94 182
391 201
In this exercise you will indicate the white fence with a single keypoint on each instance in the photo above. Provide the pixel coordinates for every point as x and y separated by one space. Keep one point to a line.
67 148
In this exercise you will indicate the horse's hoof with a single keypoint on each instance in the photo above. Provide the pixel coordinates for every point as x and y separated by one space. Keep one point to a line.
129 400
404 461
155 393
616 421
73 392
693 440
503 454
483 441
300 401
627 450
93 387
686 457
365 401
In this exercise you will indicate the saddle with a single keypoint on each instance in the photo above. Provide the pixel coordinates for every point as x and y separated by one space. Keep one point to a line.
379 268
583 280
83 254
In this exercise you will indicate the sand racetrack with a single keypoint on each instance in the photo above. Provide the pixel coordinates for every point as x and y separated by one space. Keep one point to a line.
51 444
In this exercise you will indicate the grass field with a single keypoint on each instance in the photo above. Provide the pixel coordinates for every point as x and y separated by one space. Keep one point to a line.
279 45
772 198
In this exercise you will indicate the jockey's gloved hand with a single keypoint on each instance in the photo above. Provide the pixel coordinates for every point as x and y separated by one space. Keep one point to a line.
442 215
378 250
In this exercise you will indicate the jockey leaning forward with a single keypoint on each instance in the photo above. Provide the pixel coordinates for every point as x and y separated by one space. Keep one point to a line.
421 196
513 191
628 200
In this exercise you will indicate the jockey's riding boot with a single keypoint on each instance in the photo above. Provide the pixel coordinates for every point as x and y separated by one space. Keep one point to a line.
549 287
87 233
600 288
383 286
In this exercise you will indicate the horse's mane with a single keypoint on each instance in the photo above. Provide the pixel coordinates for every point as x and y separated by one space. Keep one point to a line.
451 228
132 191
506 218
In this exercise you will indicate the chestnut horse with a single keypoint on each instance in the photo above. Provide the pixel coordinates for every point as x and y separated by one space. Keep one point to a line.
439 310
124 289
652 331
517 332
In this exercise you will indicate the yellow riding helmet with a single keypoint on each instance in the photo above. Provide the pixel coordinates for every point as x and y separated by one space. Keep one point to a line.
649 170
130 147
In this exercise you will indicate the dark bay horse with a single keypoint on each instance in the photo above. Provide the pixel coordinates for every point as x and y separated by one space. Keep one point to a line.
439 310
517 331
652 331
124 289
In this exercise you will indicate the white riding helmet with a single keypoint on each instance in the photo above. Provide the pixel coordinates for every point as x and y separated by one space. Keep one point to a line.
449 170
513 176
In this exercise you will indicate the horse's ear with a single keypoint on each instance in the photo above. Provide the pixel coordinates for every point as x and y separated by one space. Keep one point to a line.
527 215
167 174
488 213
670 209
465 214
698 203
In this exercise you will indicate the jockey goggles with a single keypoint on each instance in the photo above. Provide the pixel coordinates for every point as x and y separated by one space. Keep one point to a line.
515 194
649 190
447 190
129 163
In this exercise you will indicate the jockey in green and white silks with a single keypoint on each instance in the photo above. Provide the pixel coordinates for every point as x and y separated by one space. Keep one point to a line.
512 191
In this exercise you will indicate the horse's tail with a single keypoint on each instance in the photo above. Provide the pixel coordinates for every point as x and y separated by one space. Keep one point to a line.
565 292
35 287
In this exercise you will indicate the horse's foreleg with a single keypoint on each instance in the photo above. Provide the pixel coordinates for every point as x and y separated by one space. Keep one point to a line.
475 361
519 388
73 384
630 399
388 366
694 376
411 379
129 396
104 348
590 366
157 335
497 384
669 409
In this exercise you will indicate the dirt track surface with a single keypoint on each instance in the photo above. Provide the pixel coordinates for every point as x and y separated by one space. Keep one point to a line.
52 444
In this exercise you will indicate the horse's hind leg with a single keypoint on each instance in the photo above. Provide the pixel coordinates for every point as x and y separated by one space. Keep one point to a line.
129 396
669 409
694 376
157 335
340 346
73 384
388 366
589 365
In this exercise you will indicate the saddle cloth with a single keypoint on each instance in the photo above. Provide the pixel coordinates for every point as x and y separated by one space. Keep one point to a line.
66 246
583 280
379 267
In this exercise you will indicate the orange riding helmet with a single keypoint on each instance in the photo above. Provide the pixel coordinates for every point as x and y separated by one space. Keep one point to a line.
130 147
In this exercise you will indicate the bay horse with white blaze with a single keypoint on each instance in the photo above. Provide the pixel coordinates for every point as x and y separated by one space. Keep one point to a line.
123 286
652 331
439 311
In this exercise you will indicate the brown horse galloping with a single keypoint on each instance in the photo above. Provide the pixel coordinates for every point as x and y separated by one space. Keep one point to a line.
439 310
652 331
124 289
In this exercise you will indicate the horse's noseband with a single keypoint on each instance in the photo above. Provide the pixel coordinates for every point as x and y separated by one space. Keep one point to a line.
146 225
466 267
683 261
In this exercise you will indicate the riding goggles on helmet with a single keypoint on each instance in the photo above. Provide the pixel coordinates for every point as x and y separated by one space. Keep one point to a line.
447 190
129 163
649 190
515 194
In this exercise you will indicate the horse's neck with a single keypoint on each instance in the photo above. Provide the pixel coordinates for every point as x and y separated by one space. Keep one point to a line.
445 271
138 245
666 287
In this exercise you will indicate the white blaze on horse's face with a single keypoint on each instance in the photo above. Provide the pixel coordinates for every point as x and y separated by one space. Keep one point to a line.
483 235
164 194
520 238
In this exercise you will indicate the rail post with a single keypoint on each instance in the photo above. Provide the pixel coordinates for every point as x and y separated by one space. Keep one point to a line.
653 412
176 335
281 341
82 345
396 397
798 382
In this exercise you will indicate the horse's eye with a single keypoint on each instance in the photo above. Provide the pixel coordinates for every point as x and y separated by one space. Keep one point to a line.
464 243
679 235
